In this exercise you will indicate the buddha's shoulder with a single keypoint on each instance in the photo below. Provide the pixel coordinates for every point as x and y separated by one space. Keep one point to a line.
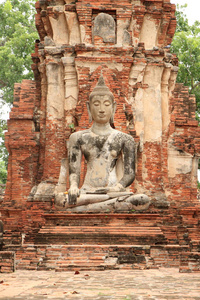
79 134
123 136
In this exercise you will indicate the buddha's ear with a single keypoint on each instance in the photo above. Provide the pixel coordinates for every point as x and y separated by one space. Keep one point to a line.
113 114
89 112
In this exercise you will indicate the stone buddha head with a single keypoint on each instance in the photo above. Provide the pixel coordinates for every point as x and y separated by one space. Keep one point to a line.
101 106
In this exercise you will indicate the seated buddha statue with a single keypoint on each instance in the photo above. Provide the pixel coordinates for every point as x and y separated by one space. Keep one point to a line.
110 158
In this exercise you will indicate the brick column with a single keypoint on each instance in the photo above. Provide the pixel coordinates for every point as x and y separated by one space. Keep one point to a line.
54 145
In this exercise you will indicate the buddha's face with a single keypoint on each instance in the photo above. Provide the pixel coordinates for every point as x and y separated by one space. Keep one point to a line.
101 108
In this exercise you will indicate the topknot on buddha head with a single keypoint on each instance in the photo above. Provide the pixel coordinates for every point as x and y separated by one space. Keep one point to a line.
101 89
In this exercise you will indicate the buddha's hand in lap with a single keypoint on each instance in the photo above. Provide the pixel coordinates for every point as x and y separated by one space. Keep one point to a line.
112 189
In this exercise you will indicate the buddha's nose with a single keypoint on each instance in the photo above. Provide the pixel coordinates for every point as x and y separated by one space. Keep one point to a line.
102 108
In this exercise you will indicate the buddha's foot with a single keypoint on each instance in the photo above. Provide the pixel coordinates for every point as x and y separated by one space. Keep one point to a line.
139 202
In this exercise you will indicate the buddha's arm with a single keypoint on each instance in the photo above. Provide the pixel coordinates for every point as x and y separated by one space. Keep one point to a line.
129 162
128 149
74 156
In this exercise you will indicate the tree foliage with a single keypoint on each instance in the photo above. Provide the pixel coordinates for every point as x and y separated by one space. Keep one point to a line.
17 35
186 44
3 153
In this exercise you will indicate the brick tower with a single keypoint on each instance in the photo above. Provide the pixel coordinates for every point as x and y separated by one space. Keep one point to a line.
128 42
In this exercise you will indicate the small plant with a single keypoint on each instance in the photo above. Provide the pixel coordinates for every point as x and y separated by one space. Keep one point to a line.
198 185
72 127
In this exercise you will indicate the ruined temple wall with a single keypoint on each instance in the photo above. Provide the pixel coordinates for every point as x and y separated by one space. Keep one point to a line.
140 71
22 142
183 147
135 61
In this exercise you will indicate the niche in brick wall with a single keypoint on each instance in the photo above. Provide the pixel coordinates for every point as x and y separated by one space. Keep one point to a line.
103 27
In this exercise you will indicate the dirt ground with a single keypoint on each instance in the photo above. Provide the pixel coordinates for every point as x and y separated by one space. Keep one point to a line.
119 284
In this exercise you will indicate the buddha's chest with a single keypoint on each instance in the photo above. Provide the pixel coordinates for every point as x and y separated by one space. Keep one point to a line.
101 148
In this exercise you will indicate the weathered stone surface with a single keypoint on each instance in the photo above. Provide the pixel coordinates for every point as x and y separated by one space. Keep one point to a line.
104 27
42 192
139 202
110 155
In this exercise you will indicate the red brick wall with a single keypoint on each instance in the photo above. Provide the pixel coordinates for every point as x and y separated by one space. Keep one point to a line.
36 145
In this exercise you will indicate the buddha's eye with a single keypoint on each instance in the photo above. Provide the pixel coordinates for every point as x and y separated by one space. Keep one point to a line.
107 103
96 103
